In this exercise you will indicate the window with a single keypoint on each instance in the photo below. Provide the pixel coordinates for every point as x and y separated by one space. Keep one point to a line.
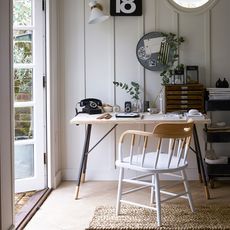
191 3
191 6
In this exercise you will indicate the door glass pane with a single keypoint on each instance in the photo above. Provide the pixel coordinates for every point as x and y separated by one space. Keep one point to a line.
22 12
23 46
23 123
23 85
24 161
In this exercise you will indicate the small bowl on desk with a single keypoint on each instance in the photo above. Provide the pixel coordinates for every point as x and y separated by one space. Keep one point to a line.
108 109
152 110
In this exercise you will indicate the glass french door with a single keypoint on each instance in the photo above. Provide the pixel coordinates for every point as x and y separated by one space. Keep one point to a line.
29 94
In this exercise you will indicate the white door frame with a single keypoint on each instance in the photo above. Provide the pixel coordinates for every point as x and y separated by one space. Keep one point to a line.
38 180
6 121
6 112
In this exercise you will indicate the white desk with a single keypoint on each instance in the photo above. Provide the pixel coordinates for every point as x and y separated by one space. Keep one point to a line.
145 118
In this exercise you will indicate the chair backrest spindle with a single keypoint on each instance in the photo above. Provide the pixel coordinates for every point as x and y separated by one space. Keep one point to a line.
132 144
178 136
158 151
144 150
171 150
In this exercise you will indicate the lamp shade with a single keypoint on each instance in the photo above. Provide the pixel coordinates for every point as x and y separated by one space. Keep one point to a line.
96 14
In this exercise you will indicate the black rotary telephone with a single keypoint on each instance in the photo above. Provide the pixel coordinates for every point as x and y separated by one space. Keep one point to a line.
91 106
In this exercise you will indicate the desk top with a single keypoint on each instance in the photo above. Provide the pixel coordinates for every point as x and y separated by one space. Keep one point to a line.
145 118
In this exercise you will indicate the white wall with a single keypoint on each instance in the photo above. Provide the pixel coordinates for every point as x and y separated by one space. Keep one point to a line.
92 56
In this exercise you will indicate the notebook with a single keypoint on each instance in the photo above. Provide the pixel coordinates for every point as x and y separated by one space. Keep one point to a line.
127 115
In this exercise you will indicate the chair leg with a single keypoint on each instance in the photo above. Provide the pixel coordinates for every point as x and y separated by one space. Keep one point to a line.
152 198
186 186
157 198
119 190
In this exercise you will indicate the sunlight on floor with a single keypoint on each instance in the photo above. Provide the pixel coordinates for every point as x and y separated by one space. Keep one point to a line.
61 211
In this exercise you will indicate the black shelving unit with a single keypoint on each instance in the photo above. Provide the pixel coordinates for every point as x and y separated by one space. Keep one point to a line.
217 135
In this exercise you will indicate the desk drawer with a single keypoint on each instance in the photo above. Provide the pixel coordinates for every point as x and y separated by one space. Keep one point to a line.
186 92
189 87
178 97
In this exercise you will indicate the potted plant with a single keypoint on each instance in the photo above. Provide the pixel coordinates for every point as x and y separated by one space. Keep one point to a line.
174 43
133 90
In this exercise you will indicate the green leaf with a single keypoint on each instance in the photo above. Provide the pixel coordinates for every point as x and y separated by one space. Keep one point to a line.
129 89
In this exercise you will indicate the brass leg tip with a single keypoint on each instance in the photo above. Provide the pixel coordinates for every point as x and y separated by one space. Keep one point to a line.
76 192
83 178
207 193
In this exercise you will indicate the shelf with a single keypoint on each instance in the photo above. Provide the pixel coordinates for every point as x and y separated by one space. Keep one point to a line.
218 128
217 105
217 136
218 170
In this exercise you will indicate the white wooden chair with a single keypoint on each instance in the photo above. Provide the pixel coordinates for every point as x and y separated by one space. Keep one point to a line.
172 142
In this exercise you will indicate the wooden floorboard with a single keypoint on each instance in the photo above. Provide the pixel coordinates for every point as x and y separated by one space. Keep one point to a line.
24 203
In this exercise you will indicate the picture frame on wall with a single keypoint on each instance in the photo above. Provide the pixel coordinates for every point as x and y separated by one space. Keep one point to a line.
178 77
125 8
192 74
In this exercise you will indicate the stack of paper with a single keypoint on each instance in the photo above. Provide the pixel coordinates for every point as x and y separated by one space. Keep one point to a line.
219 93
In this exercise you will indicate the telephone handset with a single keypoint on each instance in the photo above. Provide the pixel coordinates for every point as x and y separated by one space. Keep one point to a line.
92 102
91 106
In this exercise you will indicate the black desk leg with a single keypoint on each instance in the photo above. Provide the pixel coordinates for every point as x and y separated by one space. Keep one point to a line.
83 159
84 169
199 170
200 161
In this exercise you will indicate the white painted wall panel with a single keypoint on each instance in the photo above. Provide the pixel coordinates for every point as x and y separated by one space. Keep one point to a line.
95 55
72 75
192 50
99 77
126 65
220 34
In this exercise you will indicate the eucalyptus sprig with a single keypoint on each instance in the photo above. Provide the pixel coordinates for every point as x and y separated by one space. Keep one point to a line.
133 90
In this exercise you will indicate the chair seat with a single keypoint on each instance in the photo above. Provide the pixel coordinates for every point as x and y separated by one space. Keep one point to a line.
148 165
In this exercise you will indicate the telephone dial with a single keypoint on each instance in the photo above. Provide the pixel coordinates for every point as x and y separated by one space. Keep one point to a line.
90 106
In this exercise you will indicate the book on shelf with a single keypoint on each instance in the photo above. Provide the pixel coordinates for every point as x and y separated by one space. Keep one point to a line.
219 93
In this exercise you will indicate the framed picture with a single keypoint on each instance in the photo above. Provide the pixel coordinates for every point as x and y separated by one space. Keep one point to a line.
192 74
178 77
125 8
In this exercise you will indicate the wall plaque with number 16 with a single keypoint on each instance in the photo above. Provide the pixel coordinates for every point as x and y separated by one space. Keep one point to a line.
126 7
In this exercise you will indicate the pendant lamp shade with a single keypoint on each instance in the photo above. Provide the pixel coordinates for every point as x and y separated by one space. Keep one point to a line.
96 14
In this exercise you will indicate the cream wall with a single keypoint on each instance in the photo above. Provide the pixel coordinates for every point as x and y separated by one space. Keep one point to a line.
92 56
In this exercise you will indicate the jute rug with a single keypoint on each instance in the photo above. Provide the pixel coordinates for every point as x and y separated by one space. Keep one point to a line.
173 217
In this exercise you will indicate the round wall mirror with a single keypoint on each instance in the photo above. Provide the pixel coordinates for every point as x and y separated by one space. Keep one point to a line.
148 49
197 6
